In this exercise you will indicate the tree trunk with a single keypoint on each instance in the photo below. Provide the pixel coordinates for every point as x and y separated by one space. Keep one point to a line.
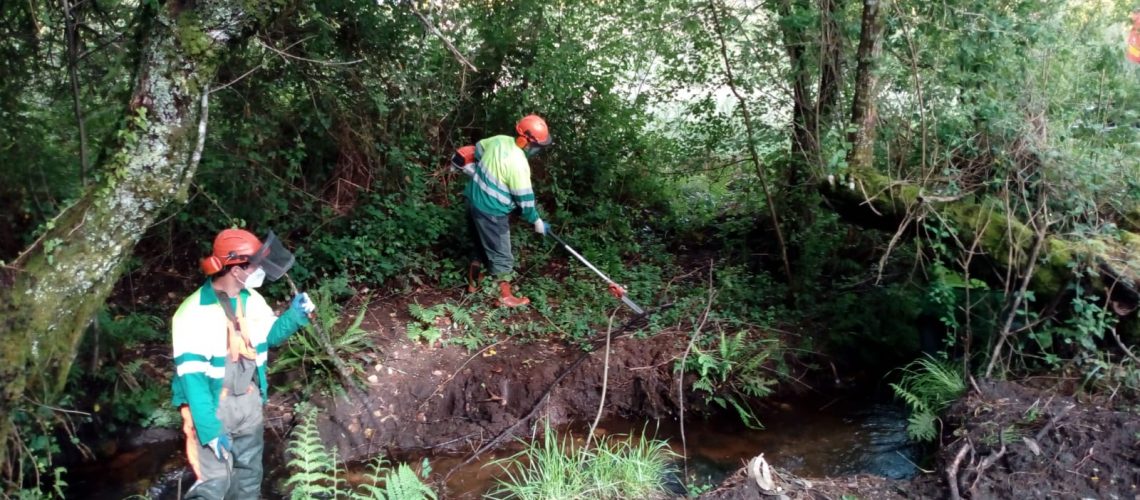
863 111
830 65
1004 241
805 144
68 273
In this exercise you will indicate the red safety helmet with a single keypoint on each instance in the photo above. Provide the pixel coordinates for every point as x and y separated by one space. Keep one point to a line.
532 129
231 246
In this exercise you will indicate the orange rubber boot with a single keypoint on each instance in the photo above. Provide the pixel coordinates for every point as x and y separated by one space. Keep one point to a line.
507 299
474 276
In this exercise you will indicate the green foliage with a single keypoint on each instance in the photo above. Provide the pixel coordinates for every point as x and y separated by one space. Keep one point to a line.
731 372
116 374
388 236
648 176
928 386
35 473
464 326
615 468
315 467
400 483
56 491
316 473
306 352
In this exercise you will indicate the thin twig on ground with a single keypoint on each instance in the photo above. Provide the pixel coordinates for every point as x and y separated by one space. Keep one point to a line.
538 404
980 470
952 471
1052 423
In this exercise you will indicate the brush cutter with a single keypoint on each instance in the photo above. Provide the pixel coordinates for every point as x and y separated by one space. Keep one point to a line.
615 289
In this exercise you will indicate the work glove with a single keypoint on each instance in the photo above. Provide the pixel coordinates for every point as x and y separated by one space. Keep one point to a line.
222 447
302 304
540 227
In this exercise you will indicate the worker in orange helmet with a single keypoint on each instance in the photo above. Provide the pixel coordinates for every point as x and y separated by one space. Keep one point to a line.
500 184
1132 49
221 336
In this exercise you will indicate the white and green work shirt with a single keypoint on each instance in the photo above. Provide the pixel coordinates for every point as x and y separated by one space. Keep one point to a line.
199 337
502 179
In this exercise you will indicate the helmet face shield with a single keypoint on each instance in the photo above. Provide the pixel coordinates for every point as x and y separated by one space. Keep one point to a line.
273 258
532 149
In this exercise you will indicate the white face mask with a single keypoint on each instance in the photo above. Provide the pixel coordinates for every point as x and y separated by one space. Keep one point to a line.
254 279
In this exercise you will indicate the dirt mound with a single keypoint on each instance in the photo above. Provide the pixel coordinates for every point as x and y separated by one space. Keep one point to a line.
444 399
1011 441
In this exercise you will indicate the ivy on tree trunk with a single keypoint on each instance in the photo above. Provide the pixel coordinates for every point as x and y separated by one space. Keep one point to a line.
68 273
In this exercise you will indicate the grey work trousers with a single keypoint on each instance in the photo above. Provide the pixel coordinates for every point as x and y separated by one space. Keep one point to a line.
239 475
492 242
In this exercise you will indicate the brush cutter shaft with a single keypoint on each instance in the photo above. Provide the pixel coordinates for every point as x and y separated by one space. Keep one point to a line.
624 298
581 258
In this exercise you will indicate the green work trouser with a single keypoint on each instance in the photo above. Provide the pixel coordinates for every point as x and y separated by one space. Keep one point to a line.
492 242
239 475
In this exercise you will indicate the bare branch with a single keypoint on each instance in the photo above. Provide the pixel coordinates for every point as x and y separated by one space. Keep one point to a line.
435 31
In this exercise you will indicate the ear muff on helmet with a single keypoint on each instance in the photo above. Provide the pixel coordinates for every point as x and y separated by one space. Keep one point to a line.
211 265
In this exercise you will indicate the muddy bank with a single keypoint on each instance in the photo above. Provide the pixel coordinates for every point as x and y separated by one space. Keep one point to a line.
443 399
1018 442
1008 441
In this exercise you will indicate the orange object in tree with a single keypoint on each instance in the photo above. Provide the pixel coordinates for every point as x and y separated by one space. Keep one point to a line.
1132 52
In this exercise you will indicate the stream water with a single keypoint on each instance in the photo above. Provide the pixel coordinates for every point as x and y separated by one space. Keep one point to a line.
811 438
843 438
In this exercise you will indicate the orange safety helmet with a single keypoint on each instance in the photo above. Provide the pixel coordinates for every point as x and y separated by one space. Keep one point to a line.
231 246
532 129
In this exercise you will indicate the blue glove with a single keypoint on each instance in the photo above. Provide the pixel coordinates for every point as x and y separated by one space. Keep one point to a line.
540 227
302 304
222 447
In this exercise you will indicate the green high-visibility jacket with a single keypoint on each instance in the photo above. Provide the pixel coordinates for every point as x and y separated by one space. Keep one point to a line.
199 336
502 179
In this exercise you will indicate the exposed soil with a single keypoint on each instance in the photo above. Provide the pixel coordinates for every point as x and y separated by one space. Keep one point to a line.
443 399
1022 442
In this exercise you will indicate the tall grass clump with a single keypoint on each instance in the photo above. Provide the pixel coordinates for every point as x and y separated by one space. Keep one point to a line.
553 468
928 386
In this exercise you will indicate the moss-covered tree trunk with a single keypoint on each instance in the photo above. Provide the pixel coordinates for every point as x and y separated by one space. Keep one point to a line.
1004 241
69 272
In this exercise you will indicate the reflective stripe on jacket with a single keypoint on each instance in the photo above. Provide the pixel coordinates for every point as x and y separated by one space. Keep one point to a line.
199 335
502 179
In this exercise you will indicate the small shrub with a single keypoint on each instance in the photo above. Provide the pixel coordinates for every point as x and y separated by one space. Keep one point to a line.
400 483
305 349
732 371
928 386
317 474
